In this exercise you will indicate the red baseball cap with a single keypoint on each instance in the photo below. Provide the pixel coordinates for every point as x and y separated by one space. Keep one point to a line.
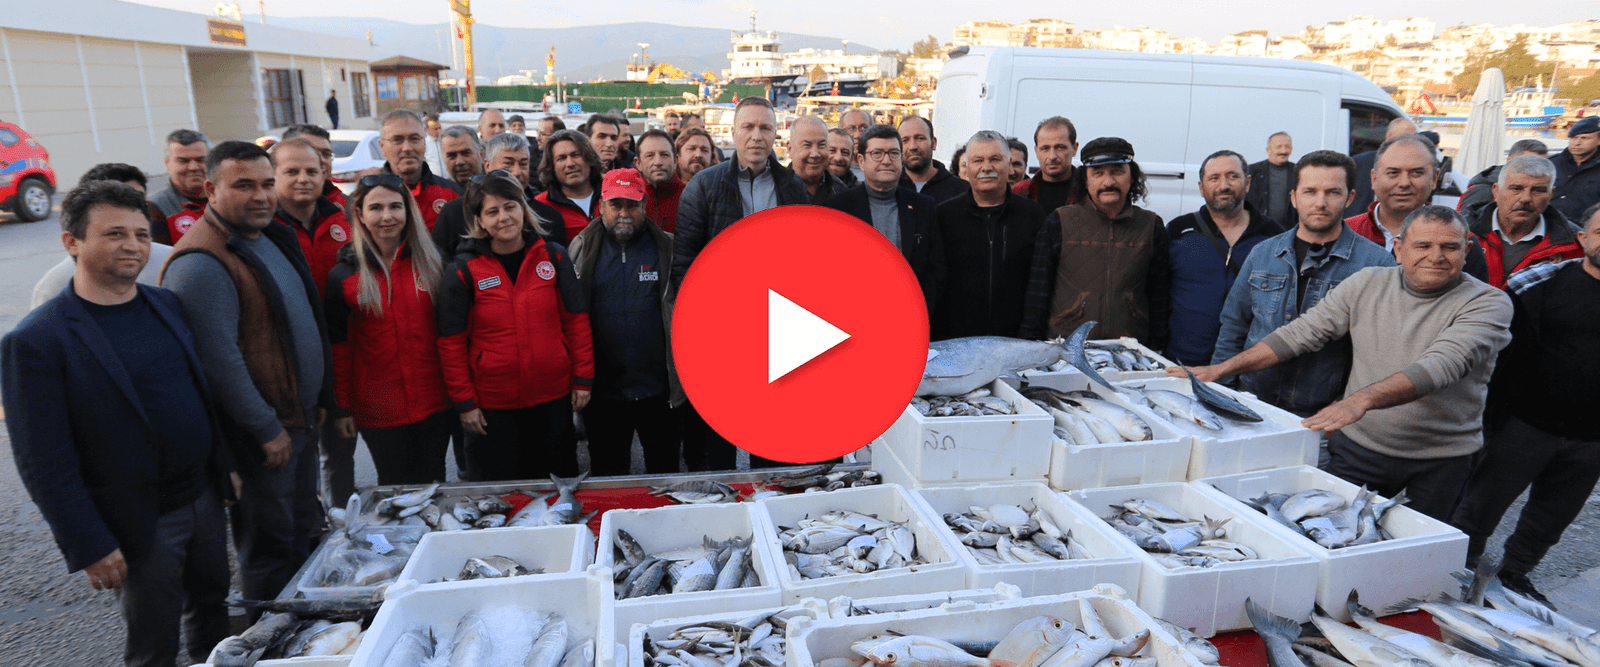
624 183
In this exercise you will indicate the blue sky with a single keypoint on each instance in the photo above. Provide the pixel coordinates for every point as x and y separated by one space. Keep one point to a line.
895 24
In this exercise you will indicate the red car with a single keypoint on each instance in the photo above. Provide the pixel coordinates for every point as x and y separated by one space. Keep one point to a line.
26 180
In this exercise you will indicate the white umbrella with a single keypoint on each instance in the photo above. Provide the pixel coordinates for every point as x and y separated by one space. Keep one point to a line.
1483 144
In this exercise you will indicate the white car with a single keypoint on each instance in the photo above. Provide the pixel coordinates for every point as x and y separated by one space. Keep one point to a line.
355 154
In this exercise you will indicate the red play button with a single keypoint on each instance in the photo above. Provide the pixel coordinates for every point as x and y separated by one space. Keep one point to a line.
800 334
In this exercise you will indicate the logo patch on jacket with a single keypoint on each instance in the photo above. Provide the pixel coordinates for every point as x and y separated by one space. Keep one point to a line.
491 281
183 222
546 270
337 233
438 204
646 275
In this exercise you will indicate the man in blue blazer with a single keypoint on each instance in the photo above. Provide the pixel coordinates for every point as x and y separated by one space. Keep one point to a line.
113 433
905 216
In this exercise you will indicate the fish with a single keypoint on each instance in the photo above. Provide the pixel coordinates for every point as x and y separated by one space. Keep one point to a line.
629 547
334 609
490 521
1197 646
471 645
581 655
1435 652
412 649
551 645
243 650
1545 636
332 640
914 650
494 567
960 365
1266 507
1183 407
1075 354
735 567
1128 425
566 509
296 643
466 511
1219 400
755 640
1153 510
415 498
1312 503
1032 641
697 492
1318 658
1363 649
1277 633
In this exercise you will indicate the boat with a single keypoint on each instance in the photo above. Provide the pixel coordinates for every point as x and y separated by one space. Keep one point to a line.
1528 108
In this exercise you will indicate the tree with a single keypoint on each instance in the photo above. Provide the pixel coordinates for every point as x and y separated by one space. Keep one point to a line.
1585 89
926 48
1515 62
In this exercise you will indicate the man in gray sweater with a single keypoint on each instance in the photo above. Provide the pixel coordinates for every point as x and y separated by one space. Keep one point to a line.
1425 338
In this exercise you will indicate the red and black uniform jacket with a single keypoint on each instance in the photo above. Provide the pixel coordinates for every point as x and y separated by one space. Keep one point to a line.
661 203
177 211
328 233
332 193
572 215
506 346
1559 243
431 192
386 368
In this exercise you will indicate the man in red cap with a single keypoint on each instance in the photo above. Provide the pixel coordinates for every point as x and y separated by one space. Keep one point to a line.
623 261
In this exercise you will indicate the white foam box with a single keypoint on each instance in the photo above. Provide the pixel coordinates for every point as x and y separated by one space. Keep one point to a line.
811 642
894 471
583 599
889 502
1110 374
840 607
678 526
1211 600
663 628
1111 562
318 661
974 449
411 534
555 549
1162 458
1415 564
1258 449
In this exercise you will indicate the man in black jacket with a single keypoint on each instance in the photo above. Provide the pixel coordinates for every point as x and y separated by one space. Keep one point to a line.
923 174
1272 179
808 156
717 197
1578 169
113 433
508 153
988 236
1541 430
905 217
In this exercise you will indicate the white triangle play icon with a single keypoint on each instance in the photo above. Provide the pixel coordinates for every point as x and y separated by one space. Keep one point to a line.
795 336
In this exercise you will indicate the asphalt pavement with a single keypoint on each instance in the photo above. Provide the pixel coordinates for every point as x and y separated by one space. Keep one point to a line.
50 617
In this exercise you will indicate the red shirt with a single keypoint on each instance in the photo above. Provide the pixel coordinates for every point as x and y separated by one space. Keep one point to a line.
330 232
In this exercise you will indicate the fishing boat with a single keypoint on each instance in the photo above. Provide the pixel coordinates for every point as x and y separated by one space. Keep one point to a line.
1529 107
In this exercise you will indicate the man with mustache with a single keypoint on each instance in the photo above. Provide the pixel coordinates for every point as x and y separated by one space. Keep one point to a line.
988 238
1273 179
1103 258
623 260
1208 249
922 173
662 187
1019 161
695 152
1284 276
1480 189
808 155
1424 338
842 157
402 144
1522 228
904 217
570 172
1055 142
1542 437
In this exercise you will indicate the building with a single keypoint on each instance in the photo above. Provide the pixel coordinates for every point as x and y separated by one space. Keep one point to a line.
105 81
1050 33
404 82
835 62
1247 43
925 70
990 33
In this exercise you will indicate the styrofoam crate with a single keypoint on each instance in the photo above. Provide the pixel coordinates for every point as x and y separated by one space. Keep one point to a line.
556 549
894 471
1415 564
839 607
811 642
1254 448
412 534
583 599
973 449
675 527
1111 562
889 502
318 661
1211 600
1162 458
656 630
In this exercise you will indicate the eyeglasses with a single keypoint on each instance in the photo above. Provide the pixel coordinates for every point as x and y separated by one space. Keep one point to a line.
480 178
375 180
880 155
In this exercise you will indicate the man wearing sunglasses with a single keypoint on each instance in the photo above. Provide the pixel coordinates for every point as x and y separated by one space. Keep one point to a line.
404 145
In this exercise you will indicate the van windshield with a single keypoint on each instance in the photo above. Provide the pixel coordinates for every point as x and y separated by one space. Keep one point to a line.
1368 124
344 148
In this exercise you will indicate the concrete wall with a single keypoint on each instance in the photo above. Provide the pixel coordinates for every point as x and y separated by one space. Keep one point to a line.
225 95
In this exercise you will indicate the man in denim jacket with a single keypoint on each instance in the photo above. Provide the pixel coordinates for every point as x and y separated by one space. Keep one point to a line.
1286 275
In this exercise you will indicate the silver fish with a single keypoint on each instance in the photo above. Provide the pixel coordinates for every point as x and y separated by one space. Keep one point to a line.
1075 354
471 644
1032 641
698 491
1183 407
566 509
415 498
412 649
332 640
551 645
961 365
1312 503
244 649
1437 653
1277 633
1365 650
1221 401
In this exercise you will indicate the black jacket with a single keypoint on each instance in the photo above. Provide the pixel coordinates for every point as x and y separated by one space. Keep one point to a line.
919 234
1577 186
711 204
986 267
1364 197
943 187
1480 192
1261 181
585 254
81 438
450 230
831 185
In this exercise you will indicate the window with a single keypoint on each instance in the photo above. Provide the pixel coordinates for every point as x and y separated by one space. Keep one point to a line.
8 138
343 148
388 88
1368 124
413 90
362 104
284 96
375 150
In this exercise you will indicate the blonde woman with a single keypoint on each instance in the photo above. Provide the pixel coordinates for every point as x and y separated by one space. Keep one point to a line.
380 313
514 339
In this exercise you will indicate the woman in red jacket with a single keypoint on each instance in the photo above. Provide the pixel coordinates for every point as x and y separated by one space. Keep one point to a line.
514 339
381 322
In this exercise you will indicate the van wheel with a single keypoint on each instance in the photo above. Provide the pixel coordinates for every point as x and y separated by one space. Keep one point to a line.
32 202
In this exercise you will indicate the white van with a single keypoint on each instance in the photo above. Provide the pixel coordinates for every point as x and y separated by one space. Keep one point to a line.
1175 109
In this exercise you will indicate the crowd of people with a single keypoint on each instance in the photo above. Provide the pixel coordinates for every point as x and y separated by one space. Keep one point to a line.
486 287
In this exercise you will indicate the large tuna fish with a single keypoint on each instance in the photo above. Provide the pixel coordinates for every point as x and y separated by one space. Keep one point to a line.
960 365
